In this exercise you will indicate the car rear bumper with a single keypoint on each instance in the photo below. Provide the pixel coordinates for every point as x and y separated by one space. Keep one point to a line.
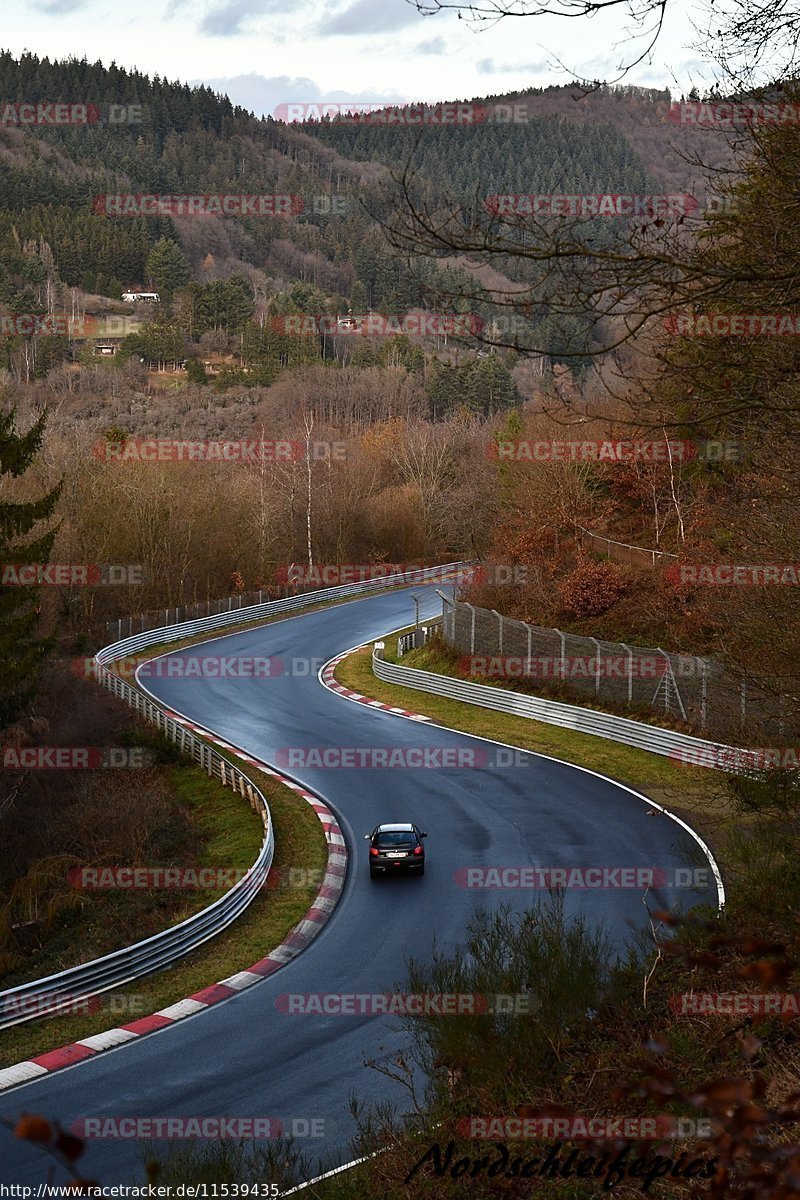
397 864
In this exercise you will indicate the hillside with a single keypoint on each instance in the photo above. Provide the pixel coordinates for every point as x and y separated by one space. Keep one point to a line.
173 140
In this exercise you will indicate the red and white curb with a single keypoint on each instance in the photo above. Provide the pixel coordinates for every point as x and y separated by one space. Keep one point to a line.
298 938
328 677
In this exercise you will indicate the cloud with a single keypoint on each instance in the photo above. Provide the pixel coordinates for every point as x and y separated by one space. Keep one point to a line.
435 45
488 66
262 94
372 16
59 6
225 19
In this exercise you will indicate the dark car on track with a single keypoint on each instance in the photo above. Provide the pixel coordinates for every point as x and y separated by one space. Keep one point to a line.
396 848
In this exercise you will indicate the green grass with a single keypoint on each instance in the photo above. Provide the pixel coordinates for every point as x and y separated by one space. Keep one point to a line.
299 843
222 832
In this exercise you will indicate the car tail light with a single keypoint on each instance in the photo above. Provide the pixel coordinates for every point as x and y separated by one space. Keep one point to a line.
373 852
418 850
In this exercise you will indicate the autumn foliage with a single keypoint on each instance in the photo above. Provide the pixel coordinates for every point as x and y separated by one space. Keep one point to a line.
592 588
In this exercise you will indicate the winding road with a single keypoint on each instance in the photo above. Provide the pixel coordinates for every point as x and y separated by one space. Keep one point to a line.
245 1057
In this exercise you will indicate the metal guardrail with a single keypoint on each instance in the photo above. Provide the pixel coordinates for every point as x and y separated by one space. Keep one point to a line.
406 641
235 615
682 747
67 989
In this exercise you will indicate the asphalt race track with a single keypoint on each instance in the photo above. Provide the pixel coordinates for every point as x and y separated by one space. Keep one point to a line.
244 1057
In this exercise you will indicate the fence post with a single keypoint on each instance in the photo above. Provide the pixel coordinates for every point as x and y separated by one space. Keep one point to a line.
530 655
448 618
703 692
630 672
471 608
743 701
500 630
667 680
563 664
597 672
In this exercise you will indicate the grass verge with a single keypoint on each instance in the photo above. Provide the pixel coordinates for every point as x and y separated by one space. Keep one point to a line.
699 796
299 843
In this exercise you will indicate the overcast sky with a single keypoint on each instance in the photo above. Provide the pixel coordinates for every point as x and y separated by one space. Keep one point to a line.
263 53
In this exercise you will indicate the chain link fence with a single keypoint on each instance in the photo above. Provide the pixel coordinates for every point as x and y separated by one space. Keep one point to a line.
621 552
706 695
158 618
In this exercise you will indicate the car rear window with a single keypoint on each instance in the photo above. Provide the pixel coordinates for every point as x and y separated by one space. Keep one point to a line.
400 837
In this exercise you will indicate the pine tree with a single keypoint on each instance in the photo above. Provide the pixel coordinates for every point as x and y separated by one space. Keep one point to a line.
20 648
167 268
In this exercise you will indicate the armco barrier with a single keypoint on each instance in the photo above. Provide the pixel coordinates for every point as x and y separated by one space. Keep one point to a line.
66 989
679 746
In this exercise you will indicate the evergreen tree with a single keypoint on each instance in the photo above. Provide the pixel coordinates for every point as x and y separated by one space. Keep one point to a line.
167 268
21 650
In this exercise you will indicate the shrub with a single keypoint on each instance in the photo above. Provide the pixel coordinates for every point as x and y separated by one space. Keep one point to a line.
592 589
